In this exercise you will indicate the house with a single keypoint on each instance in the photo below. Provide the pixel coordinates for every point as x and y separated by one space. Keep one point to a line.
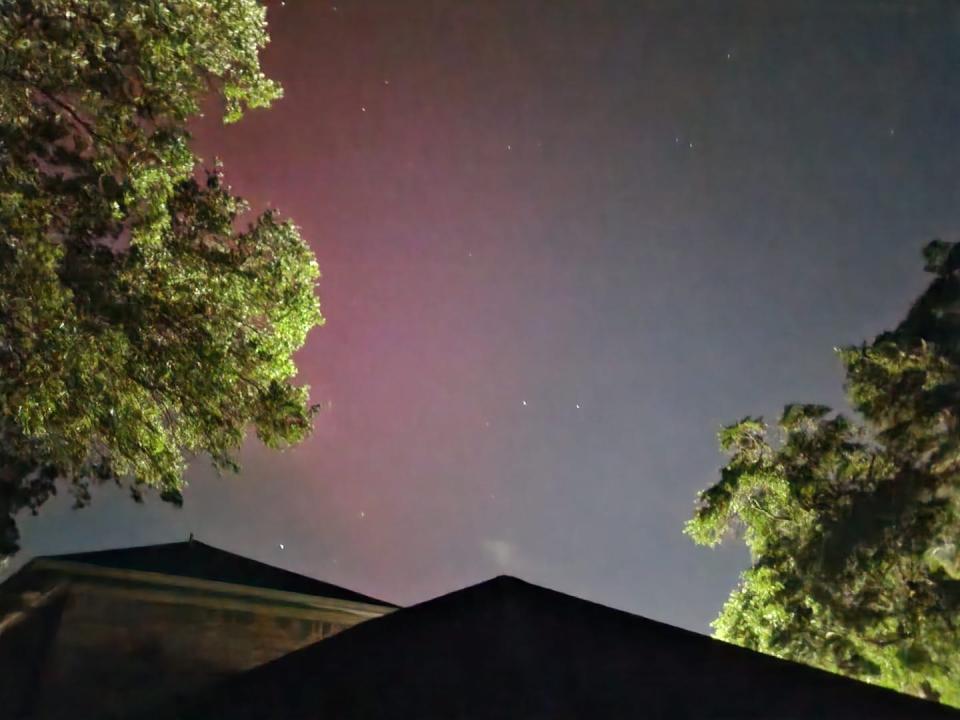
105 634
501 649
508 649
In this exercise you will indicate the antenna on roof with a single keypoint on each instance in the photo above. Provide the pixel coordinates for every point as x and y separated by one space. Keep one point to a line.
190 539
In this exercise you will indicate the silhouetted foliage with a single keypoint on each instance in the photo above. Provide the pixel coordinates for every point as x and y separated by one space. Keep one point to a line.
139 322
854 526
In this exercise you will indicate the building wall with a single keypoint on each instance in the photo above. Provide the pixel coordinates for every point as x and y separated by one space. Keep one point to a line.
116 653
120 644
28 626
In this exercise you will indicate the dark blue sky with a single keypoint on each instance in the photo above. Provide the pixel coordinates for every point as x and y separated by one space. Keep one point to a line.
562 243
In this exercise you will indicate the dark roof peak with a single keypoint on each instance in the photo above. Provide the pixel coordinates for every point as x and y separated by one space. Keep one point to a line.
196 559
502 580
507 648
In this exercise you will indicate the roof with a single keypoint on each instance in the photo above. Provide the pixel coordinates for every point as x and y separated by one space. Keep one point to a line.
505 648
195 559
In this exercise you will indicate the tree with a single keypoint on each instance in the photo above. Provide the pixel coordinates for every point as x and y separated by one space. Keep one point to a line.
854 526
143 318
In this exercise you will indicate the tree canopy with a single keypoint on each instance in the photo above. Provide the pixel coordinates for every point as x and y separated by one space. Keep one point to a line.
145 316
853 525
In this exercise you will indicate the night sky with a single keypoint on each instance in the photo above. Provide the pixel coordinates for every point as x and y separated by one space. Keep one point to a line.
563 241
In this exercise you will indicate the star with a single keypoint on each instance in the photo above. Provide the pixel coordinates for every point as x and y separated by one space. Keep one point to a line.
362 514
509 147
578 406
691 146
524 402
281 546
363 108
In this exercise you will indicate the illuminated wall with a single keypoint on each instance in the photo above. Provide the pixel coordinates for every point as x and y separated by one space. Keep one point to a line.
110 641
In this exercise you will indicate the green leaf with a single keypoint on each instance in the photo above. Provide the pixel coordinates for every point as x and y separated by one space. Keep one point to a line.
139 325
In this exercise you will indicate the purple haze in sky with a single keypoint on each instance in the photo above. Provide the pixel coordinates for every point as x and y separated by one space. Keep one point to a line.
562 243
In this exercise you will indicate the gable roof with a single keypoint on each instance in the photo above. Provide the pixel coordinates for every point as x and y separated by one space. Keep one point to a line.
505 648
195 559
